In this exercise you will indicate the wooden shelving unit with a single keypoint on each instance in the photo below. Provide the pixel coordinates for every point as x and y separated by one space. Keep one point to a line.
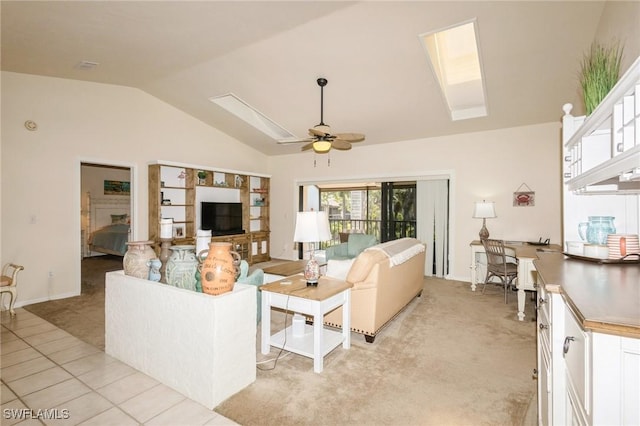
177 185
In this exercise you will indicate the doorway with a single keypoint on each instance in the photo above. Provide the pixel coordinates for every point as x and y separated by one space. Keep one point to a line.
105 221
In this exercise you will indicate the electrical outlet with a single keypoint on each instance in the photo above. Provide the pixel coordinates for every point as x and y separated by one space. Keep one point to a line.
50 274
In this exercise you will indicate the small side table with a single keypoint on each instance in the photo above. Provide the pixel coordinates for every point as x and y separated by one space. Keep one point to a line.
293 294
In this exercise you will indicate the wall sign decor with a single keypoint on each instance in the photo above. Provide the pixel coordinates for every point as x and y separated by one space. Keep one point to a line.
117 187
522 198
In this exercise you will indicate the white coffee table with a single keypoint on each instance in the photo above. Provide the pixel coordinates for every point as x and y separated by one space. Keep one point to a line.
292 294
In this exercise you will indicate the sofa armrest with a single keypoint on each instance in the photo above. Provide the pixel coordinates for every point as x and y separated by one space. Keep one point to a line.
364 285
337 251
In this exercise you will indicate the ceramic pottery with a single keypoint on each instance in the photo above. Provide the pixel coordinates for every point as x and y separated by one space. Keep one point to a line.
219 269
135 259
182 266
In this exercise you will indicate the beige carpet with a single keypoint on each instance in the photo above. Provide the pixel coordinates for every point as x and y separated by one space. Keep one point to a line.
453 357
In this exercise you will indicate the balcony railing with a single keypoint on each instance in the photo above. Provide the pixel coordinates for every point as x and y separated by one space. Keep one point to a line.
400 229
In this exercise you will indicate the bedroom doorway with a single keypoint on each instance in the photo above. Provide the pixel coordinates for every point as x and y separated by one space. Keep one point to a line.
105 221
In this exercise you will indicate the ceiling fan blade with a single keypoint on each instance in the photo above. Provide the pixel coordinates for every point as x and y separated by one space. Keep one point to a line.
317 132
307 147
287 142
340 144
350 137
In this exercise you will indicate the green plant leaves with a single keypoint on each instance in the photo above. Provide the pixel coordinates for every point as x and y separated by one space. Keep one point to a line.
599 72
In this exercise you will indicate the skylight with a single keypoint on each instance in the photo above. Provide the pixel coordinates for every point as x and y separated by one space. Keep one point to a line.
455 60
246 112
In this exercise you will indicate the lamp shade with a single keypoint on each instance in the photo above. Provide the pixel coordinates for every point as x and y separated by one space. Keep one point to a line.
312 227
484 209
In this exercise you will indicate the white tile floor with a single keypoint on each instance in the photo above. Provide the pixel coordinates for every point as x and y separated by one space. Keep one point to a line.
50 377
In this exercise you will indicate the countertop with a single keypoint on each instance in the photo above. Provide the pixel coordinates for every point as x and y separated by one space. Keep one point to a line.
605 297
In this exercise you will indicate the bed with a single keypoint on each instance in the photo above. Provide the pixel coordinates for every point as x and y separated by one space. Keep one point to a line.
109 225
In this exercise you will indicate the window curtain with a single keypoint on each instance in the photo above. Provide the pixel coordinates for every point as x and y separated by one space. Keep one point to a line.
432 208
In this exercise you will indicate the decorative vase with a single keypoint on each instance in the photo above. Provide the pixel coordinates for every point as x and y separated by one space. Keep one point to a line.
182 266
219 269
154 269
136 258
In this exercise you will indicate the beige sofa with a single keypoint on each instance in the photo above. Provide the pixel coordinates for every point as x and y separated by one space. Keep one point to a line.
385 278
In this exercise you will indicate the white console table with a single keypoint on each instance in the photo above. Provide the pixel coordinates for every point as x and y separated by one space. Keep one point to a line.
527 275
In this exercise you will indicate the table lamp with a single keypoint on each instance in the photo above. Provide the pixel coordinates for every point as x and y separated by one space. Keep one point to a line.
484 210
312 227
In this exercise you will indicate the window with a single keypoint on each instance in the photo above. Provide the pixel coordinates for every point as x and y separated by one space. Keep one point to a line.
455 60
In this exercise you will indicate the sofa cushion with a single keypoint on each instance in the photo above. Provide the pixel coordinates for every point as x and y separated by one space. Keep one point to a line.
339 268
363 264
358 242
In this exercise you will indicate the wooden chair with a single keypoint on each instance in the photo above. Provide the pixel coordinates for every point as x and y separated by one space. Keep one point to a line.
9 284
500 265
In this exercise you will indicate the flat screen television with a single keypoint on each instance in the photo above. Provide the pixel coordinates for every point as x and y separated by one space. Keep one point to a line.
221 218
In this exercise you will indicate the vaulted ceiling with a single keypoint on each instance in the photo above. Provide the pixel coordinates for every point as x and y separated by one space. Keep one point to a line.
270 54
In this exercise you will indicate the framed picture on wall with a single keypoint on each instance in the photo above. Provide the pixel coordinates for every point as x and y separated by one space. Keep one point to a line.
178 232
117 187
524 199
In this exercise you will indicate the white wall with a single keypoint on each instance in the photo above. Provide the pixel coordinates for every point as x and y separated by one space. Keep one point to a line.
85 122
486 165
620 20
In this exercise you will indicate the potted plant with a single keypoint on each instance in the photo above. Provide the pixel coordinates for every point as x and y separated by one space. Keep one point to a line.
599 73
202 176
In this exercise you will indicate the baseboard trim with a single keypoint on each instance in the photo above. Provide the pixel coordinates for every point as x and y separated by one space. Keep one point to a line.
20 304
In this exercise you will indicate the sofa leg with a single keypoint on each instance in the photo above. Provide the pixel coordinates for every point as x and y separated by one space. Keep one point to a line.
419 294
369 339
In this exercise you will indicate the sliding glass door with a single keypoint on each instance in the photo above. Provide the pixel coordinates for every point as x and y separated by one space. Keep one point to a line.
388 210
398 210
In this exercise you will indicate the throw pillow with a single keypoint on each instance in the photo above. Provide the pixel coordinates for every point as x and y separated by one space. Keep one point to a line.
339 268
119 219
358 242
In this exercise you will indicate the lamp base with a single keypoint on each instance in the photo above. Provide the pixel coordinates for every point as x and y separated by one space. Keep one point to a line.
484 232
312 272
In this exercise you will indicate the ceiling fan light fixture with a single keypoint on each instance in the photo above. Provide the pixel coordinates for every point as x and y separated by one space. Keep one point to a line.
323 128
321 146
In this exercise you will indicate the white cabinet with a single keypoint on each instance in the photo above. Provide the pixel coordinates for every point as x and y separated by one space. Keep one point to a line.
576 352
602 372
584 377
551 377
601 158
602 151
616 380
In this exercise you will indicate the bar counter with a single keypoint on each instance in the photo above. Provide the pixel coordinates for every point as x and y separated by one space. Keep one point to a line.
605 297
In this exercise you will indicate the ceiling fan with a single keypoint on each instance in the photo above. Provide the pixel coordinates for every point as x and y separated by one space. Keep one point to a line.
322 140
